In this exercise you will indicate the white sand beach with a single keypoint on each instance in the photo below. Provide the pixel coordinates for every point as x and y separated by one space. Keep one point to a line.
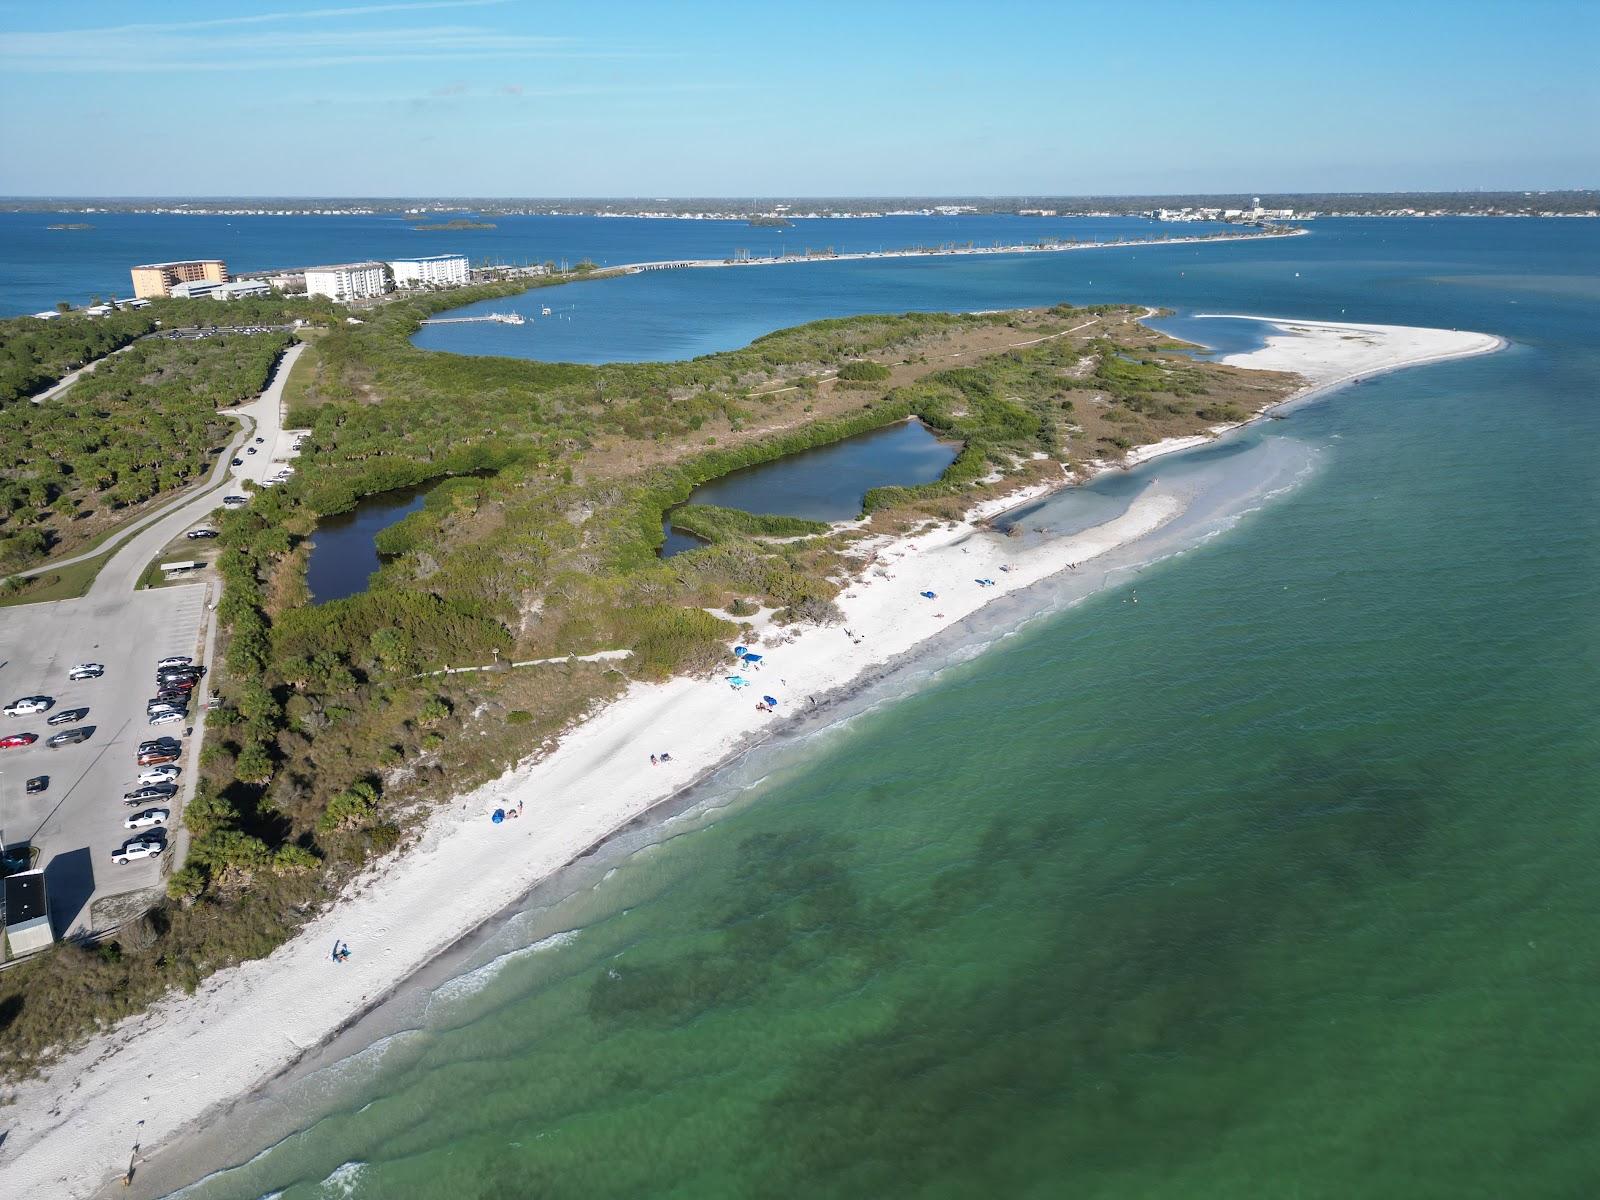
70 1131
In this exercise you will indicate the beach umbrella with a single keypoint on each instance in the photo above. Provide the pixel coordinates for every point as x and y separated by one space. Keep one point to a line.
928 595
751 658
499 815
739 652
770 701
738 681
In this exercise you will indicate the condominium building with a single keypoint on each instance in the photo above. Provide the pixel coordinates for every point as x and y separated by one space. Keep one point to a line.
437 270
346 281
242 287
194 289
158 279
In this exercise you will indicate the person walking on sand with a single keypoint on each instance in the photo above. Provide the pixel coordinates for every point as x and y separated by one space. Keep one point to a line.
652 760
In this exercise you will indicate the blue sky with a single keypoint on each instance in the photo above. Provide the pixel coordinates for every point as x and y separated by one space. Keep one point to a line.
535 98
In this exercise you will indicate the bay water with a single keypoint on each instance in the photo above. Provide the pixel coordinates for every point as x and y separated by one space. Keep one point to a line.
1258 861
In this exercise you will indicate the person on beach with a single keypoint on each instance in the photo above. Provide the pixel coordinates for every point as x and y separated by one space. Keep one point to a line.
652 760
665 757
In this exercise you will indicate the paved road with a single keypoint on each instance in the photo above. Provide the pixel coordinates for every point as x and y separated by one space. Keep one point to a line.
262 417
72 377
77 822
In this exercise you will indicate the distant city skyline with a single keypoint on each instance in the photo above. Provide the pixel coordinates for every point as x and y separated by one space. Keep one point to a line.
504 98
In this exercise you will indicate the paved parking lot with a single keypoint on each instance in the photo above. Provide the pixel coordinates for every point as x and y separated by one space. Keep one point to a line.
77 822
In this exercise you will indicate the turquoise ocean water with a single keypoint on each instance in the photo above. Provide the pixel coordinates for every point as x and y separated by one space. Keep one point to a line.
1260 864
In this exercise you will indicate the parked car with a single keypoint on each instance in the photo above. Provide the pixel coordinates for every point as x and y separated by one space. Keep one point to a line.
160 743
67 716
155 758
148 792
13 740
162 774
176 660
70 737
87 671
147 818
235 501
38 784
259 440
238 462
136 848
182 684
166 718
28 705
201 533
249 449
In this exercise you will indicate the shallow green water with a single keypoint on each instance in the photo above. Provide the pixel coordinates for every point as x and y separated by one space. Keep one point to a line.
1278 882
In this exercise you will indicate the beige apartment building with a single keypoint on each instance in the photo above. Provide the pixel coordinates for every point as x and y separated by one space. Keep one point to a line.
158 279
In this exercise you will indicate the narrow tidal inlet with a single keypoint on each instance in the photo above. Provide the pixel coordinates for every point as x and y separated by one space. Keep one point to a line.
1276 882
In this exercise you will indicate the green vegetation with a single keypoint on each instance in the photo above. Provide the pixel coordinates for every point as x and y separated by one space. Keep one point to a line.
864 372
456 224
143 424
722 524
538 540
35 354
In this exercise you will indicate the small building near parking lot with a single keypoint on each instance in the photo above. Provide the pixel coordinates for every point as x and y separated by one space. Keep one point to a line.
27 914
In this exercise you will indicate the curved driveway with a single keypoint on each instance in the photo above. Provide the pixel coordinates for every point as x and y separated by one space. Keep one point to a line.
263 417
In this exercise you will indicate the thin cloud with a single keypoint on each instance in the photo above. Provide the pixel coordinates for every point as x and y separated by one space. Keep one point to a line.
319 14
114 52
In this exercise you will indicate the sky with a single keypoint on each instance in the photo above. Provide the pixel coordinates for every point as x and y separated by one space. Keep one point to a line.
678 98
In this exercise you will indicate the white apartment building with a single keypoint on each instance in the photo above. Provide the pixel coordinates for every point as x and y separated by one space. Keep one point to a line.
438 270
346 281
241 287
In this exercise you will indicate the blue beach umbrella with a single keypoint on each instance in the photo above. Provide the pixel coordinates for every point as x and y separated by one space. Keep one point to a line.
499 815
751 658
739 651
738 681
770 702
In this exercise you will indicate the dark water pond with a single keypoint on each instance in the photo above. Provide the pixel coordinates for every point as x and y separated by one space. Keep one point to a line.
827 483
343 556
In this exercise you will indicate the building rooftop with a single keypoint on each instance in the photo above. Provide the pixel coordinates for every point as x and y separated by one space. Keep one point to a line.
355 266
25 899
177 262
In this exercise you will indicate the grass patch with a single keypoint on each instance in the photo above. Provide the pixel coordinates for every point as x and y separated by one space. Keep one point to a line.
68 583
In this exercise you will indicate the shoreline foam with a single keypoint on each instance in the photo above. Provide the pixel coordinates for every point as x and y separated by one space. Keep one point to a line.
68 1132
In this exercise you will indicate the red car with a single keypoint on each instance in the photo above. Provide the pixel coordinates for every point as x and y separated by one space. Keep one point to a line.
18 739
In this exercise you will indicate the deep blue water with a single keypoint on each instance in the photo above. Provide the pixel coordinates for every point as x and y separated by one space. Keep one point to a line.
1472 273
38 266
